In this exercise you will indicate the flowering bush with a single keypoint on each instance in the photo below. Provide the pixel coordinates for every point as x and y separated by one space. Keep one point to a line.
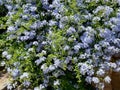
59 44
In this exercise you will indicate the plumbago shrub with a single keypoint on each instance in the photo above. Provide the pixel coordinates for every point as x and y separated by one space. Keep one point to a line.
60 44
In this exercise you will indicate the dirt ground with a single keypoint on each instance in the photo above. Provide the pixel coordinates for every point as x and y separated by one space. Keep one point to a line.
3 79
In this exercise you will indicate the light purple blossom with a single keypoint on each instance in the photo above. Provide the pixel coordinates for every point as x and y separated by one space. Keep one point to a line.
95 80
36 88
11 28
8 57
33 8
40 60
107 79
56 82
3 63
35 43
84 68
71 30
26 83
51 67
88 79
100 72
77 47
52 23
24 75
15 72
4 54
9 7
86 38
66 47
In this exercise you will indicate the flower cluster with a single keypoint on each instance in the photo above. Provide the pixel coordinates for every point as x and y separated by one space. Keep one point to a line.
56 43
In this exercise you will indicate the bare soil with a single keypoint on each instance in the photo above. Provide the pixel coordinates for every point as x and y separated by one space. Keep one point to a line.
3 79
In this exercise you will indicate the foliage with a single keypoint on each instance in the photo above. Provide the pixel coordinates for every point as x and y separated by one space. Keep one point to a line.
59 44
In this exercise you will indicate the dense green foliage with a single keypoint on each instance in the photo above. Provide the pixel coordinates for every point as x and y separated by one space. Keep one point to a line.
59 44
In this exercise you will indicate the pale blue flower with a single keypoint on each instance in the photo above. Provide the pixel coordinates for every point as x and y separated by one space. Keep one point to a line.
11 29
100 72
108 11
117 69
37 16
41 87
112 65
68 59
71 30
66 47
15 72
9 69
25 17
44 2
4 53
40 60
82 56
52 23
24 38
2 63
85 38
57 82
56 3
44 67
35 25
16 64
1 2
95 80
26 83
57 62
35 43
101 86
36 88
106 33
96 19
8 57
105 9
80 3
107 79
9 87
88 79
51 67
90 72
97 47
57 16
84 68
63 22
33 8
24 75
9 7
118 1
